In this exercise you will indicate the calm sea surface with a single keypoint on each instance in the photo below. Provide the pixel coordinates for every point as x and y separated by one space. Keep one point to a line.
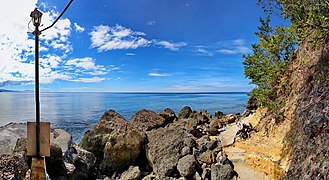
78 112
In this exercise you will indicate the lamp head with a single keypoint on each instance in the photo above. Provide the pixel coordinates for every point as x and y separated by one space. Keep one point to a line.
36 17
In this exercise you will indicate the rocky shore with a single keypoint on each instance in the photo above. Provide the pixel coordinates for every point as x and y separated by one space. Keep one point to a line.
149 146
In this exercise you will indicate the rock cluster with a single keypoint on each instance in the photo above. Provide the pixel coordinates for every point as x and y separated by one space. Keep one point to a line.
149 146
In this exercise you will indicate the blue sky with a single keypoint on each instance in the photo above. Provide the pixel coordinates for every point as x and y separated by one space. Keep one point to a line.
130 45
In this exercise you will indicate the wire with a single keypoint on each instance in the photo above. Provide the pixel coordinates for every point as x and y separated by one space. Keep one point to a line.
67 6
29 30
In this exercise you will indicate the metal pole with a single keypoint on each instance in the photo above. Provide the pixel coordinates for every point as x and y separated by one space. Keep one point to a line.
37 99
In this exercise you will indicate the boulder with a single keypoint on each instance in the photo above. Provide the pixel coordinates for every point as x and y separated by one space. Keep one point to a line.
214 125
207 157
132 173
114 142
55 164
185 112
200 118
164 149
219 114
82 160
223 172
110 123
9 135
206 113
61 138
169 115
229 118
147 120
121 150
187 165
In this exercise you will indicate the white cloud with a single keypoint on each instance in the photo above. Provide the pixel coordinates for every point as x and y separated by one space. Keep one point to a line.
106 38
130 54
17 47
159 75
88 80
170 45
236 46
151 23
78 28
204 52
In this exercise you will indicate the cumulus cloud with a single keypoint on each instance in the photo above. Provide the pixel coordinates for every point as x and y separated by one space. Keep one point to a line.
78 28
159 74
170 45
236 46
106 38
17 47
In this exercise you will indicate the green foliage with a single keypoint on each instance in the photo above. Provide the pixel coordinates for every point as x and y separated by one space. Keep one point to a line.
266 64
308 17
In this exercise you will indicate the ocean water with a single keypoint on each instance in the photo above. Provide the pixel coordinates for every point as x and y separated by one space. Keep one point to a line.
78 112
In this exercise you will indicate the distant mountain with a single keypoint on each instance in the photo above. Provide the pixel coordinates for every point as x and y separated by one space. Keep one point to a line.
5 90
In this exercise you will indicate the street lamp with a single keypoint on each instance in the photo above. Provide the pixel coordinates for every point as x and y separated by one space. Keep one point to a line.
38 169
36 19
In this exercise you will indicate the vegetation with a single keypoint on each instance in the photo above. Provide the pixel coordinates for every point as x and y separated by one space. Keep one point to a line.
277 46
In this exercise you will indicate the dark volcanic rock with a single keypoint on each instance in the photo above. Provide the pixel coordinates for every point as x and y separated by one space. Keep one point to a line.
55 164
169 115
164 149
252 103
82 160
147 120
185 112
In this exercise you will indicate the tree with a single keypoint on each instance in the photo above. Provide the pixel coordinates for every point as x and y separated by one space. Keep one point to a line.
265 65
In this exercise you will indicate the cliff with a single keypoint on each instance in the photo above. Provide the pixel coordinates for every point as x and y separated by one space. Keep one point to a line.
292 143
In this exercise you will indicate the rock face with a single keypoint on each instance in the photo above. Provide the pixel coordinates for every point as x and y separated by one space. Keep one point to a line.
187 165
147 120
164 149
61 138
113 141
224 172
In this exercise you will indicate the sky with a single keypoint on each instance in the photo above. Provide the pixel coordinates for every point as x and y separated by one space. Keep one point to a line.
129 45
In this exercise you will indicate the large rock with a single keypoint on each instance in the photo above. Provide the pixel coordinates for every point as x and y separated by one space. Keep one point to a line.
187 165
169 115
82 160
229 118
185 112
9 135
132 173
164 149
114 142
55 164
223 172
61 138
214 126
121 150
110 123
147 120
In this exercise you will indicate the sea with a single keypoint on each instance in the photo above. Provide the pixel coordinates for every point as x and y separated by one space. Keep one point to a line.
77 112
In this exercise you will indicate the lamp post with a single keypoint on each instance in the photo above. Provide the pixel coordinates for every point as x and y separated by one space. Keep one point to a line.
36 19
